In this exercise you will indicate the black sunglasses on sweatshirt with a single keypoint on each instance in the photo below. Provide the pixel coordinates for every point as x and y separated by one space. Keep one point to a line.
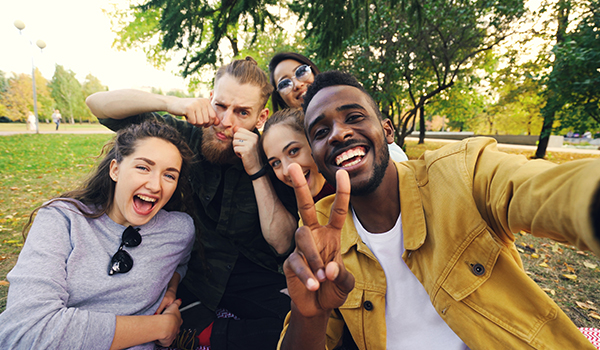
122 262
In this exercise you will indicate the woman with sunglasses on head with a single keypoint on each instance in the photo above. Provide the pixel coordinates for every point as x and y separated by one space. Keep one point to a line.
291 74
101 264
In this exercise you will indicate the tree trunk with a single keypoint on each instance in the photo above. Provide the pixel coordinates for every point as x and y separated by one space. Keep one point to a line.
552 105
422 125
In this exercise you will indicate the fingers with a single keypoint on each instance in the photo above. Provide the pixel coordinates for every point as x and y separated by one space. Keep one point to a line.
197 111
339 210
305 262
340 276
306 205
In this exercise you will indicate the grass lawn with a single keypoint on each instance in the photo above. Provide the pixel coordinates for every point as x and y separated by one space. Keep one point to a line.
34 168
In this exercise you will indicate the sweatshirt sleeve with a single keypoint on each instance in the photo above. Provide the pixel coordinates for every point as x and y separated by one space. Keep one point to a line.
37 315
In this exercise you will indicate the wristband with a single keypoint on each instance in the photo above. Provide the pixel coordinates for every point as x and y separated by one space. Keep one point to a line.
261 172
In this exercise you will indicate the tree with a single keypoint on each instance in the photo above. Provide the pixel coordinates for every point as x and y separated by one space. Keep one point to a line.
3 90
18 98
91 85
196 28
406 53
68 94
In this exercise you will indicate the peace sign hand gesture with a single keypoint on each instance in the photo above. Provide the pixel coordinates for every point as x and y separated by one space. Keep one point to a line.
316 276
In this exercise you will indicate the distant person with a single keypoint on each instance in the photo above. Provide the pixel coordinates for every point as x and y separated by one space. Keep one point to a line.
56 117
31 121
420 254
101 264
291 74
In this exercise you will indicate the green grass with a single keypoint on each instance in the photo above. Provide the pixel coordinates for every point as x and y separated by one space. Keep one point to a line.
33 169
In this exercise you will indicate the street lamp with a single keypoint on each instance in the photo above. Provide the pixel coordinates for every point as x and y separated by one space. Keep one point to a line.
41 44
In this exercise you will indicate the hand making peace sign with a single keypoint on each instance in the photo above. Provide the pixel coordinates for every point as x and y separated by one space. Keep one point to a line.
316 276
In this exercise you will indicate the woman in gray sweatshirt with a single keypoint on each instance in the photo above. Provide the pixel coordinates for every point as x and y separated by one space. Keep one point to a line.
101 264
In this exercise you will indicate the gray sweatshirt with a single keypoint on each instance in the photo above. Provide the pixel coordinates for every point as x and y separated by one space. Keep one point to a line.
60 294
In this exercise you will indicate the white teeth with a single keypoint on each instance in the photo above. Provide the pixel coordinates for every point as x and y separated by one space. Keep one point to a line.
147 199
355 152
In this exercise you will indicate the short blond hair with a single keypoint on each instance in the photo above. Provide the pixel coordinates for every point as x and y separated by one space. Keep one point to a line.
246 71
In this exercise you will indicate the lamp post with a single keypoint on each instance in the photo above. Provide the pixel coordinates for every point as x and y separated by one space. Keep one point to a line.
41 44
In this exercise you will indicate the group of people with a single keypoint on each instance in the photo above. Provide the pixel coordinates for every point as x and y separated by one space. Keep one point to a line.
32 120
187 217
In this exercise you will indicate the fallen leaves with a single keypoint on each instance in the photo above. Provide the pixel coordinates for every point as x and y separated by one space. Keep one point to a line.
569 276
4 283
587 305
589 265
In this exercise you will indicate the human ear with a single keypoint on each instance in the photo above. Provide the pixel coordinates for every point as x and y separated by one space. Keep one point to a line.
114 170
262 118
388 130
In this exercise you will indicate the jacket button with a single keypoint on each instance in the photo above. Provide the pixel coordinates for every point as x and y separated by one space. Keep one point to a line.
368 305
478 269
206 198
228 267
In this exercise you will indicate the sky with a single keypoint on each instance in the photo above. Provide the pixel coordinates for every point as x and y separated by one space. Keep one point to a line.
78 36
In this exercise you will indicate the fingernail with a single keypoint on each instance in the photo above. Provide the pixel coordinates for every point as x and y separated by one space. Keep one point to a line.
312 284
321 275
156 313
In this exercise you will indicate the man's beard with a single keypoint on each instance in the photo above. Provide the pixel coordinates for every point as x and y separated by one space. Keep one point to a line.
376 178
215 150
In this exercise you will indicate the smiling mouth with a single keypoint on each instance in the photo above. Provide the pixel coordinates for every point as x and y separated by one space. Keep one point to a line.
143 204
351 157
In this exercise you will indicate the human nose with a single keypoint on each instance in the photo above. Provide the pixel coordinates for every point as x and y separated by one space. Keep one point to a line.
227 120
153 183
340 133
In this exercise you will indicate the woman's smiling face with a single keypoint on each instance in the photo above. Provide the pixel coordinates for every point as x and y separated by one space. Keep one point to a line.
286 69
282 146
145 181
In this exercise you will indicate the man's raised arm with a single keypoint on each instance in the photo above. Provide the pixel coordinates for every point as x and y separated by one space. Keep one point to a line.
120 104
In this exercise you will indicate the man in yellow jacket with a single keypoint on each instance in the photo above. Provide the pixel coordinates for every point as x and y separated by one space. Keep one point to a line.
420 254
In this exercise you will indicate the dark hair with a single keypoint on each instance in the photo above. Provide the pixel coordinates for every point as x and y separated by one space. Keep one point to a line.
336 78
98 190
292 117
278 102
247 71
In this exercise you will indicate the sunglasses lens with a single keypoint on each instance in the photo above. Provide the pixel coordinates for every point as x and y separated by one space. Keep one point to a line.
303 72
131 237
121 262
285 86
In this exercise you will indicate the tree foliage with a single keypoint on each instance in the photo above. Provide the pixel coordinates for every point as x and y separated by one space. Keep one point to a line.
68 94
18 97
407 52
571 86
198 28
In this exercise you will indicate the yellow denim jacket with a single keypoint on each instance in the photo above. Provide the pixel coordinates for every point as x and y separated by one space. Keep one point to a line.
460 205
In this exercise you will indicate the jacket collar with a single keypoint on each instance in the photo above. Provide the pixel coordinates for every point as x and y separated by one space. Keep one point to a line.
413 218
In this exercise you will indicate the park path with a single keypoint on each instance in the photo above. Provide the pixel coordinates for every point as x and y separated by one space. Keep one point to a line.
98 131
500 145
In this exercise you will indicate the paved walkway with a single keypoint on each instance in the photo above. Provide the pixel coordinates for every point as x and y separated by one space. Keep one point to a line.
98 131
532 148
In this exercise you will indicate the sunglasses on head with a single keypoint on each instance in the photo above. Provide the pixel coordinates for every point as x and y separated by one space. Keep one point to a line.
301 73
122 262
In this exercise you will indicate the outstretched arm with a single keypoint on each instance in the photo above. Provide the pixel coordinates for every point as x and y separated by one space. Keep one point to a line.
120 104
317 279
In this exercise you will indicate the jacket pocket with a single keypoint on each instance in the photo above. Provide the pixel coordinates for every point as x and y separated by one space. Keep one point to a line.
488 280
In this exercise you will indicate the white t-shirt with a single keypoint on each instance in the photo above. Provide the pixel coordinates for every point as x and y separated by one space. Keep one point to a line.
411 320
